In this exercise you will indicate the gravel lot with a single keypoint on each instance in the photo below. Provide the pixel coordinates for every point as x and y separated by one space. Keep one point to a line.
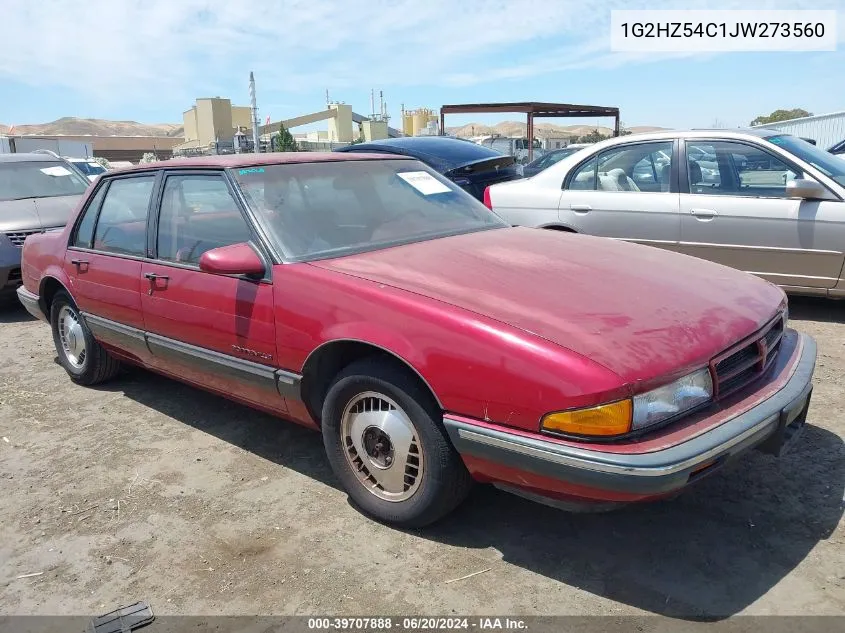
148 489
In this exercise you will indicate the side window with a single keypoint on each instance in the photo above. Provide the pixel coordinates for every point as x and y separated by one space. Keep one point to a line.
703 169
653 171
85 228
584 177
626 167
122 224
198 213
737 169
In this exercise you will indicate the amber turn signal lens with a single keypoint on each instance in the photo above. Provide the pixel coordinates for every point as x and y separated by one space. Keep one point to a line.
606 419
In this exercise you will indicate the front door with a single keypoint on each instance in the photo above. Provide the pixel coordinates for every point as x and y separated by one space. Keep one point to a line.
104 263
214 330
626 192
734 211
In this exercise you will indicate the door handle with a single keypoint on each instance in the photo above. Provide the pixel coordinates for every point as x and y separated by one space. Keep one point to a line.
704 214
153 277
79 262
581 208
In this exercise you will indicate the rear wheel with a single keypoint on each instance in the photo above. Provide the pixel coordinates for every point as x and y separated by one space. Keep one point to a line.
388 447
83 358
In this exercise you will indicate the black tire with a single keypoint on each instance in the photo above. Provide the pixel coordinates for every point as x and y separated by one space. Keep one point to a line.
98 365
445 481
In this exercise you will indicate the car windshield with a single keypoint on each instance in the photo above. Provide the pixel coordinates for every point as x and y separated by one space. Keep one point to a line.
830 165
89 168
39 179
321 210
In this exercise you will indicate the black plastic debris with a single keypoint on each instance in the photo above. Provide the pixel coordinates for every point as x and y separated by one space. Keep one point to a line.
124 619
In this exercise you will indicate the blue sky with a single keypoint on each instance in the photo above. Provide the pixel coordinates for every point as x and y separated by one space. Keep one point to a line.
148 61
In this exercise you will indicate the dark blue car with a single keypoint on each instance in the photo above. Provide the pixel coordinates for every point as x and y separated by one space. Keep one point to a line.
465 163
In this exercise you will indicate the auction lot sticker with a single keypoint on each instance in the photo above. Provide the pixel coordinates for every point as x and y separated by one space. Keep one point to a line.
423 182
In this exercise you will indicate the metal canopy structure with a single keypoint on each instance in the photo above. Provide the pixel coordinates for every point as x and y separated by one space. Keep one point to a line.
532 109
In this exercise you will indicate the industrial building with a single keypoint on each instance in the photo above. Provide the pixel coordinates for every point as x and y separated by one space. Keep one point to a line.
214 125
825 129
213 120
419 122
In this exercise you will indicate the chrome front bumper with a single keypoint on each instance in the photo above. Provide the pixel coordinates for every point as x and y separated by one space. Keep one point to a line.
771 424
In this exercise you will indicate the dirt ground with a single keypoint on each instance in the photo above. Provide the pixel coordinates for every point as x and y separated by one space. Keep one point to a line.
146 489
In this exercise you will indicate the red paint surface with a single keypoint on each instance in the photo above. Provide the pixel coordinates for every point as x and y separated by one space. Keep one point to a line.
643 313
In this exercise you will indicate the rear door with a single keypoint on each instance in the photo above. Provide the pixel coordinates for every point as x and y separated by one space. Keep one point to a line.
214 330
734 211
104 261
627 192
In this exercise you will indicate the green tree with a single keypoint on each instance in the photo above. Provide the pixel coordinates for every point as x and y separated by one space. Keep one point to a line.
284 141
148 157
593 137
781 115
102 161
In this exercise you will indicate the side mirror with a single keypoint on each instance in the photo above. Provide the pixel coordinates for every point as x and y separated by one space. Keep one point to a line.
237 259
807 190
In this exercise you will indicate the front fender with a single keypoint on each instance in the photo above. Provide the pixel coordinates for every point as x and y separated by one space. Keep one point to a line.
474 365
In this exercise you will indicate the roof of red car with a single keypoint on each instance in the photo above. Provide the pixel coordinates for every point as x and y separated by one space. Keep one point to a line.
273 158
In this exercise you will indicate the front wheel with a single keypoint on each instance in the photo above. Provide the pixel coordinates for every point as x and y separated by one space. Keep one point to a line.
388 447
83 358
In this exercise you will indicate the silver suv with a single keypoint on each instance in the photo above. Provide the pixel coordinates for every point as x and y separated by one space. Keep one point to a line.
37 193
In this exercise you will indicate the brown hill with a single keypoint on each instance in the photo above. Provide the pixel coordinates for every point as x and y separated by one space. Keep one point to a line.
541 130
73 126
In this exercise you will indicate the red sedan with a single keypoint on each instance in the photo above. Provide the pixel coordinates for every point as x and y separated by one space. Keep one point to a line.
431 343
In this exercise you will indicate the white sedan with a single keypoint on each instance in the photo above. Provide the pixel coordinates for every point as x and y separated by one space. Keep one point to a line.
757 200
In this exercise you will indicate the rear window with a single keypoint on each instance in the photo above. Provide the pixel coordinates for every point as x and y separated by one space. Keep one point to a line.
39 179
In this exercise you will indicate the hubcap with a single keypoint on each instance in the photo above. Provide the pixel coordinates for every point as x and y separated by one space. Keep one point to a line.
382 446
72 337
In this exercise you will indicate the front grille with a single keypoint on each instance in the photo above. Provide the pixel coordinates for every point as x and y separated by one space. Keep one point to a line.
17 237
737 367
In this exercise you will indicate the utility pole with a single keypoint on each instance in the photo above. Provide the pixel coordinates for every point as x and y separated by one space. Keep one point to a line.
255 142
372 103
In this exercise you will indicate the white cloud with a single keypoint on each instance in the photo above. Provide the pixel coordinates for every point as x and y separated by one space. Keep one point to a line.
174 50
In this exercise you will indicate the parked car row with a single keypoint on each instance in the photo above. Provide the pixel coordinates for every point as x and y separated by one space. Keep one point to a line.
371 297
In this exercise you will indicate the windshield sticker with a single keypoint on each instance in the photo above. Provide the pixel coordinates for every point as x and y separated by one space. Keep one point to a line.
251 170
423 182
58 170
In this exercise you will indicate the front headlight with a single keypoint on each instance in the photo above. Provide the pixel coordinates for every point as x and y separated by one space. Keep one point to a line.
642 411
673 399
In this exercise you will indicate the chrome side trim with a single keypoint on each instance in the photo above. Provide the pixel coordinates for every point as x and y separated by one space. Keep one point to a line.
278 381
98 324
772 249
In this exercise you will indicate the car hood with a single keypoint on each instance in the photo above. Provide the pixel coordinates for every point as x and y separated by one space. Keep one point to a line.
640 311
36 213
